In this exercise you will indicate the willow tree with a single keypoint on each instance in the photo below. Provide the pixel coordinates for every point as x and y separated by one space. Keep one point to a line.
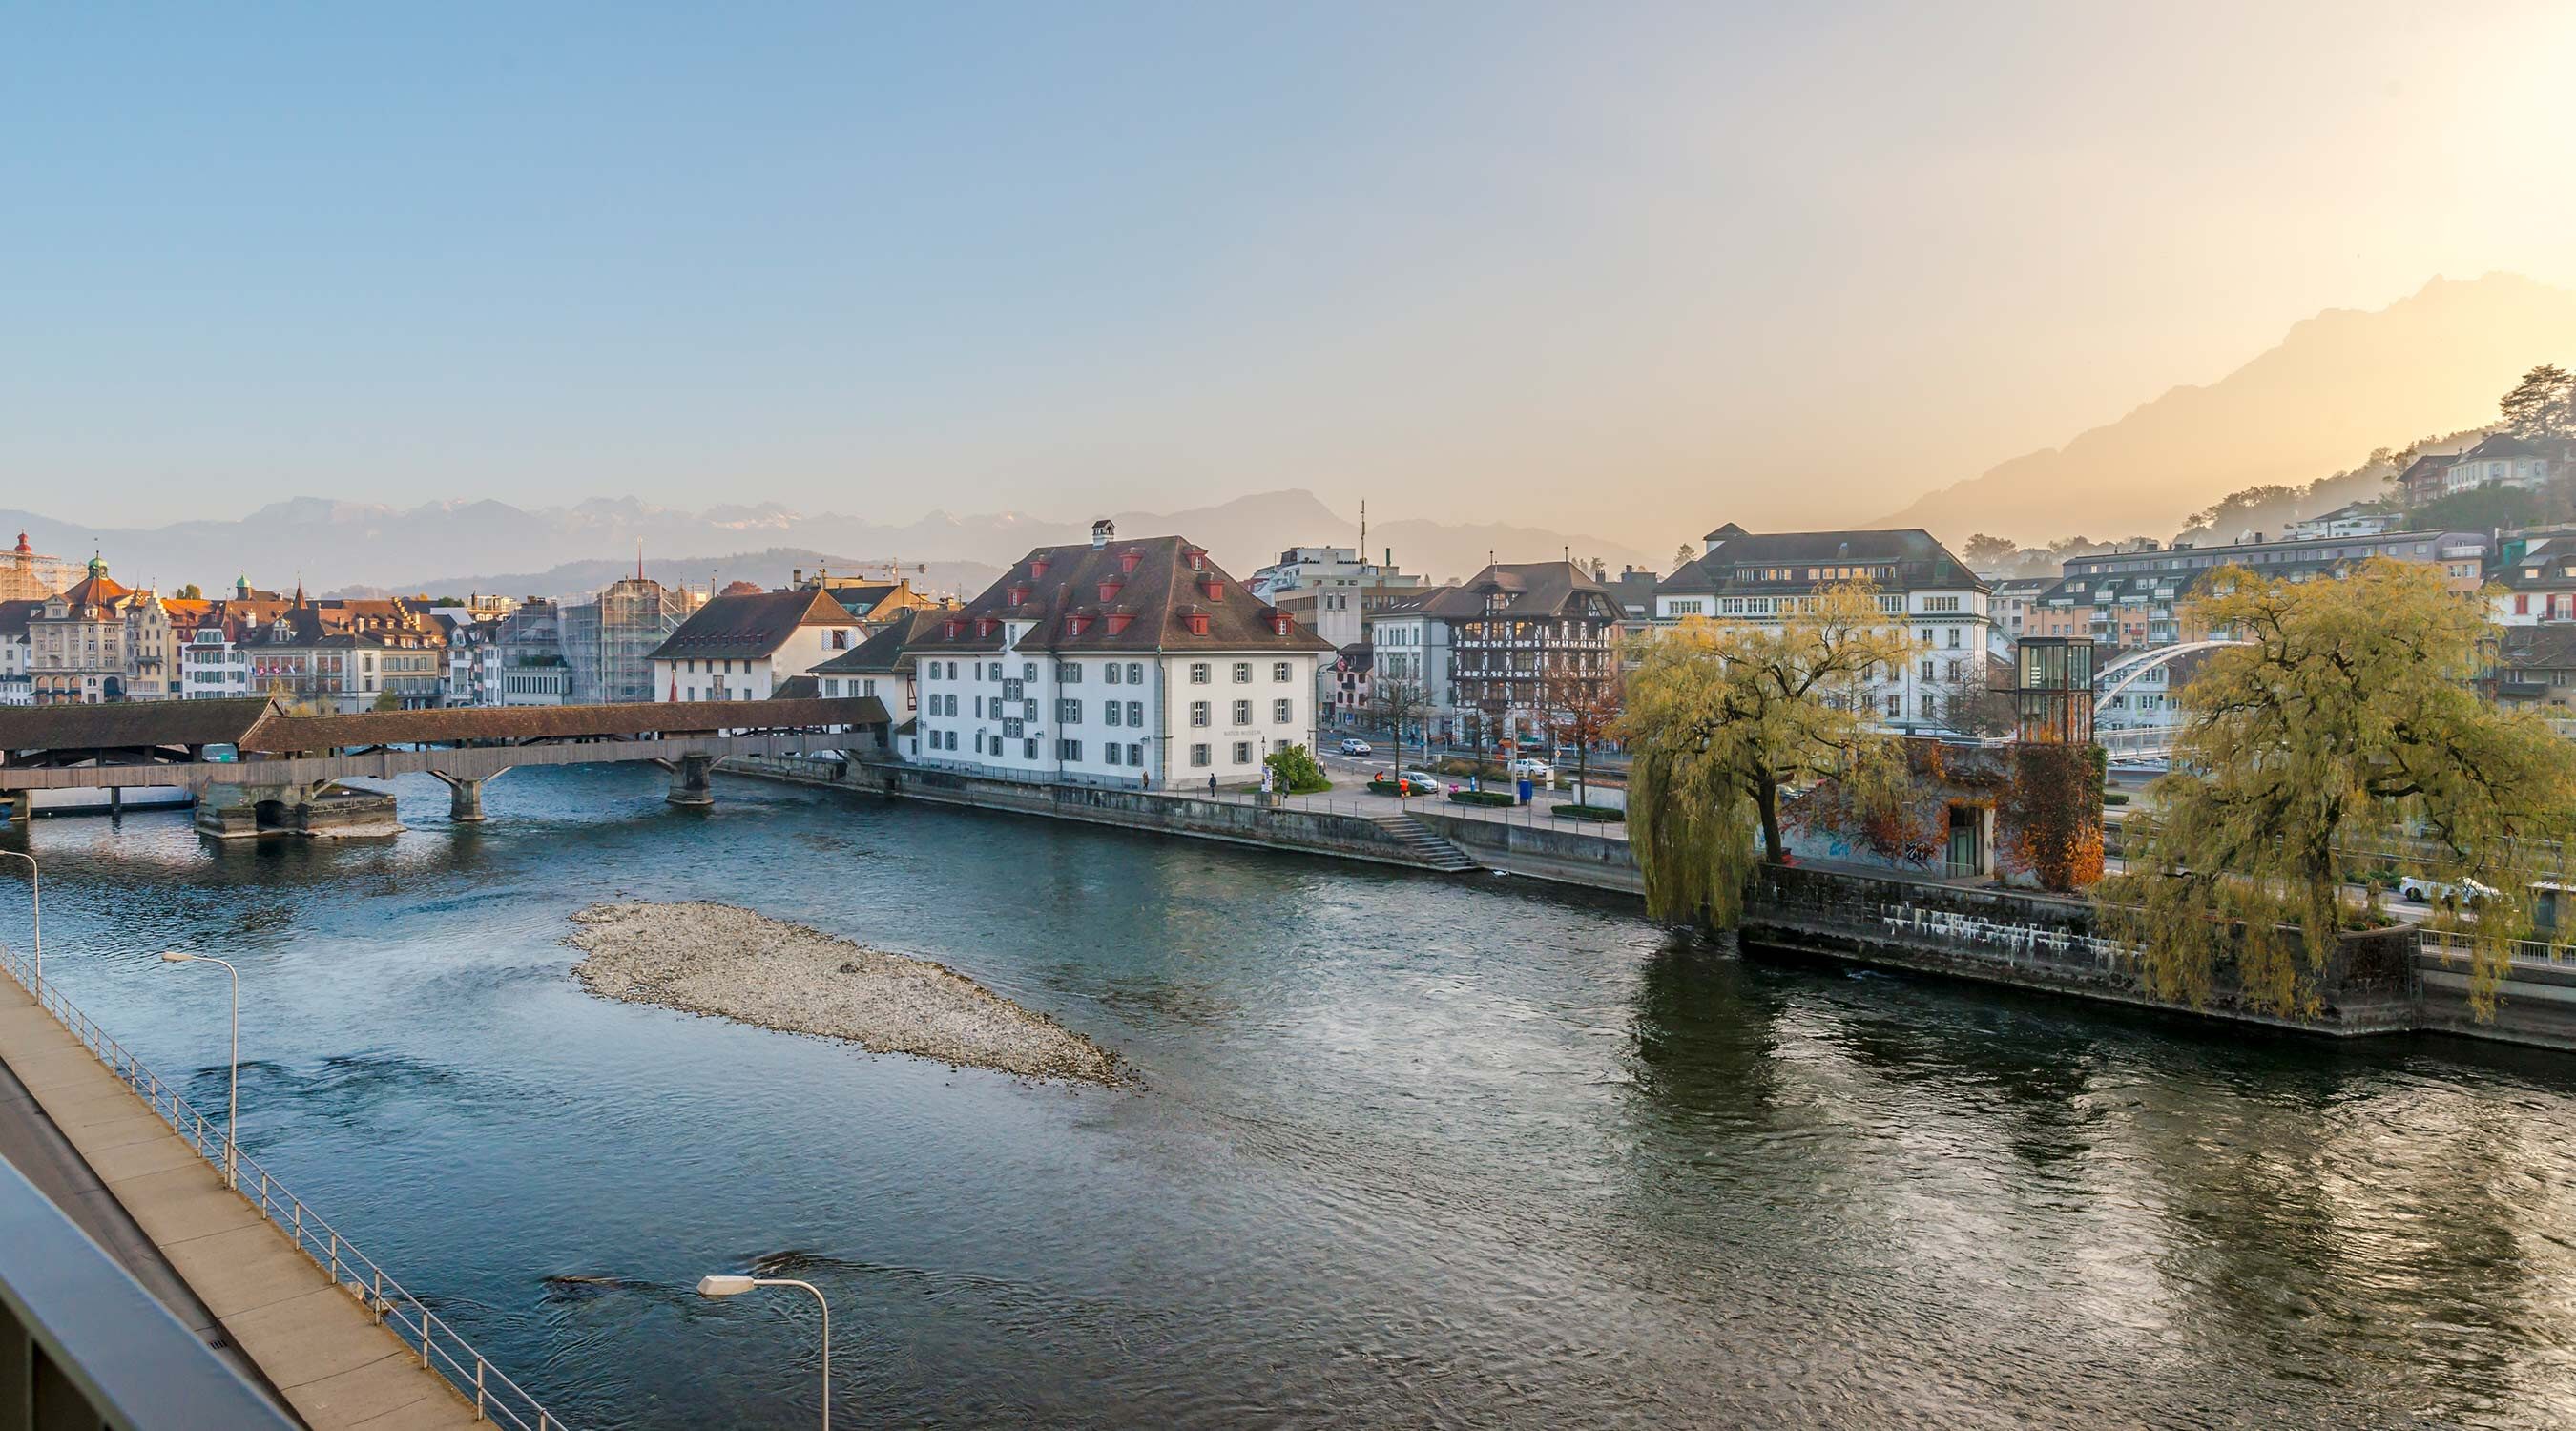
1722 716
2344 728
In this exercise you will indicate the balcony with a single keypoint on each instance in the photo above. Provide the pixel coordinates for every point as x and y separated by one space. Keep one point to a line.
82 1344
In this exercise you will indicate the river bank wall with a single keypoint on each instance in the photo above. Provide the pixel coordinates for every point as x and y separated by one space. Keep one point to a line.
2379 983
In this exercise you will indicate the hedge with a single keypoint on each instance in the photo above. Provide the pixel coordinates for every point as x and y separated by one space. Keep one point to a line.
2115 798
1483 797
1589 812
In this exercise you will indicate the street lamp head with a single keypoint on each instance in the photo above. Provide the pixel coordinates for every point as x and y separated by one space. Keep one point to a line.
724 1285
173 956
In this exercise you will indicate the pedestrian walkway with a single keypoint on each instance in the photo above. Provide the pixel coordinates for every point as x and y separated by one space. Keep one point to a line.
337 1365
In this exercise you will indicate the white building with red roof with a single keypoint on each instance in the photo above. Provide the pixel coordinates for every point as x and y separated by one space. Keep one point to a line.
1117 663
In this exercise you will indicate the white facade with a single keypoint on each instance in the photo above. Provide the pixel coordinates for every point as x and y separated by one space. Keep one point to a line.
2525 470
2354 520
752 678
895 690
1953 633
213 667
1123 719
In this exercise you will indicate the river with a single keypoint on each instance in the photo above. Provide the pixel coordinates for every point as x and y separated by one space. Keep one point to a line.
1409 1151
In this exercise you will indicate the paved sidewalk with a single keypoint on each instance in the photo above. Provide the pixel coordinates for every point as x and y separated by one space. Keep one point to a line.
314 1341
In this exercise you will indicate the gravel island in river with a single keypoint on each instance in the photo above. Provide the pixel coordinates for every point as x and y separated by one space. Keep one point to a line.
706 958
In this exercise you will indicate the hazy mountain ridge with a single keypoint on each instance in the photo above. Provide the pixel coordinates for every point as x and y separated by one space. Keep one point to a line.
481 544
2340 383
770 568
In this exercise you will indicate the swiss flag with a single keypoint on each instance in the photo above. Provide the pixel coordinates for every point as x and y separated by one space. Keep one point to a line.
675 687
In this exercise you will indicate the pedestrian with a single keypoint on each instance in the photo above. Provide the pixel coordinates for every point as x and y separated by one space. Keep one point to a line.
1211 782
1142 783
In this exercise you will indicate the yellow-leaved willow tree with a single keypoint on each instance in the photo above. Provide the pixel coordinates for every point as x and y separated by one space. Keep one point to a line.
2347 731
1721 716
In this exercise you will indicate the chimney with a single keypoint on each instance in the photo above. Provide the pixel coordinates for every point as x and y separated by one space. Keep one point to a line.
795 576
1101 532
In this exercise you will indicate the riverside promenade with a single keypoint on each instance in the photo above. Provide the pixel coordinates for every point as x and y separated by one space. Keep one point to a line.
329 1350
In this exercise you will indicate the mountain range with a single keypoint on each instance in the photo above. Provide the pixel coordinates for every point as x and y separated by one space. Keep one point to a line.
2337 386
491 546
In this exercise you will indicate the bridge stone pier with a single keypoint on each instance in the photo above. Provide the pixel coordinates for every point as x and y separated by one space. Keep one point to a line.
465 795
243 812
690 787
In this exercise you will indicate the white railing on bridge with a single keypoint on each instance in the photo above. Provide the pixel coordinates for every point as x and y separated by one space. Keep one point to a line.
437 1345
2145 742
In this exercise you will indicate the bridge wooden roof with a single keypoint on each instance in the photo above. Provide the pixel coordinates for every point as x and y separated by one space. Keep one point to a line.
258 726
119 725
283 733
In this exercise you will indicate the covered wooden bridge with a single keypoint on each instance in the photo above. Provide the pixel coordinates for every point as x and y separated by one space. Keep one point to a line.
256 767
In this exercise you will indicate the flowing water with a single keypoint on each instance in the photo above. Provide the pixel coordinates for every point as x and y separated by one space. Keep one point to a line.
1409 1150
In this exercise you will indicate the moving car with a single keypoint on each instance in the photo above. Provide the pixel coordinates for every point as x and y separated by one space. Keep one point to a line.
1530 767
1353 745
2418 890
1426 780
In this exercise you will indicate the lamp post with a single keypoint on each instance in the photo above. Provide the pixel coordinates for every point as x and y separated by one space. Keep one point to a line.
35 915
232 1098
734 1285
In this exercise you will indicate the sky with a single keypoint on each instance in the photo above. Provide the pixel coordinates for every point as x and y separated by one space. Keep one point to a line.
1623 269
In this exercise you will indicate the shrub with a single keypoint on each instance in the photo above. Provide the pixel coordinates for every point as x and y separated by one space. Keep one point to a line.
1296 771
1483 797
2115 798
1589 812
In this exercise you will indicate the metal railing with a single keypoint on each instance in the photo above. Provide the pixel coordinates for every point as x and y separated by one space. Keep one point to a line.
437 1346
2450 944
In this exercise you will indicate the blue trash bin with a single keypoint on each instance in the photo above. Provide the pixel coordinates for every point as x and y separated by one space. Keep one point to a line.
1525 791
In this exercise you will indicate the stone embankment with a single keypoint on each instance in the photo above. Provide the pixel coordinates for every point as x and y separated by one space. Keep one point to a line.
705 958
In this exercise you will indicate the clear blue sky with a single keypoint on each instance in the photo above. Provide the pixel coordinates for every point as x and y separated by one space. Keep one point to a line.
1620 262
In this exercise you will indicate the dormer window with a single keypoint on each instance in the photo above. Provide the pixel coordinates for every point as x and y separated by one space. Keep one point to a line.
1037 568
1127 559
1109 590
1198 621
1076 625
1019 596
1279 623
1119 621
1212 589
1196 558
949 629
984 626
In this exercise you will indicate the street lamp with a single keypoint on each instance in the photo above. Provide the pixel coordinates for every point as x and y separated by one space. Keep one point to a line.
734 1285
35 915
232 1099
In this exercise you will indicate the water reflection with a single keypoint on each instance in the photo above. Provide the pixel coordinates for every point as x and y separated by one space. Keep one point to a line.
1411 1151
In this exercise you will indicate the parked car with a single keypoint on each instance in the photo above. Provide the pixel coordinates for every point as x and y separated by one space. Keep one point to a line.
2418 890
1353 745
1530 767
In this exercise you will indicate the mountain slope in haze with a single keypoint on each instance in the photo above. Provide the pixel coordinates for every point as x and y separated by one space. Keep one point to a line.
2341 383
493 546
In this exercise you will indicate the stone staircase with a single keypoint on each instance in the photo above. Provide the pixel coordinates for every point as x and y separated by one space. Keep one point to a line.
1426 847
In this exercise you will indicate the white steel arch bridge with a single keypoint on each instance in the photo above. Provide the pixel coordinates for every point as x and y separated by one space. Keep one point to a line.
2140 742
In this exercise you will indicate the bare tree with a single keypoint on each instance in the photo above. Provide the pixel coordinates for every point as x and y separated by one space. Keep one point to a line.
1582 709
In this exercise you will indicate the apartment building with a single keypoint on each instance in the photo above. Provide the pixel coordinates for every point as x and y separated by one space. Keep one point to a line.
1760 578
1491 657
1117 663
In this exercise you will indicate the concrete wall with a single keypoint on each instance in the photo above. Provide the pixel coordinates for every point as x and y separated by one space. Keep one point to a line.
1567 855
2046 942
2535 1005
1315 832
